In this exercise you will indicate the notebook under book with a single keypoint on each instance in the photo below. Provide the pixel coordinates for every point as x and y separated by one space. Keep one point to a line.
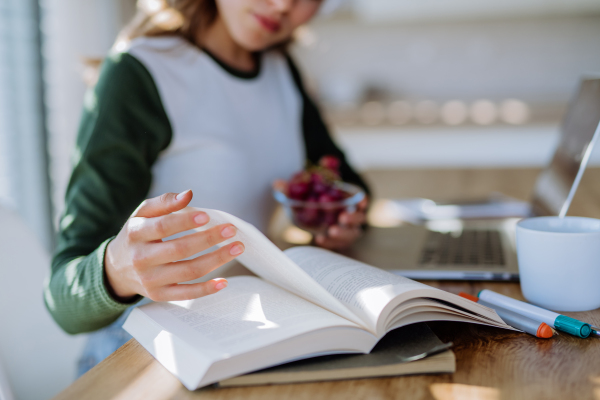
409 350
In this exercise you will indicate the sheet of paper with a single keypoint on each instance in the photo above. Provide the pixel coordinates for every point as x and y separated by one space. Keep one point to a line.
266 260
364 289
249 314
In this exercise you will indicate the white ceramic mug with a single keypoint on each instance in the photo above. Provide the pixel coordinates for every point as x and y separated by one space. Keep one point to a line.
559 262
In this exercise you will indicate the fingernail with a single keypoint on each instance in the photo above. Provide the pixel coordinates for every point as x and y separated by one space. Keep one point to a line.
201 219
228 232
221 285
180 195
236 250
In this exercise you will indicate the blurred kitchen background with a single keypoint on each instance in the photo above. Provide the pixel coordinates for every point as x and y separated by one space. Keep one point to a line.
403 83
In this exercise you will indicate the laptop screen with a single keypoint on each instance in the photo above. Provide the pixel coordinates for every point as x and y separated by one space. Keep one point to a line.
557 184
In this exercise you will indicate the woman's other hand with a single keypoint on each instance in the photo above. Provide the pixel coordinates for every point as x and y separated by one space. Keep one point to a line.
346 231
138 261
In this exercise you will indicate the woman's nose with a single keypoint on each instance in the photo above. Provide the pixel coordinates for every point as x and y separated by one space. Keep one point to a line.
282 5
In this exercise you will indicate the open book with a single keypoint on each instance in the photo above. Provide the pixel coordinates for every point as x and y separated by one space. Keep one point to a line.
309 302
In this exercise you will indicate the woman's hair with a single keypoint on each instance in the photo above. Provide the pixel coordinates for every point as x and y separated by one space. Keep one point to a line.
185 18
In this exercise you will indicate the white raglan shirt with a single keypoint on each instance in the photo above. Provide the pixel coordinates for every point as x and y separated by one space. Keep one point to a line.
231 136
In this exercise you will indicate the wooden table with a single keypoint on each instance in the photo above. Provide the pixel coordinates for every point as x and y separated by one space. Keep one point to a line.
491 363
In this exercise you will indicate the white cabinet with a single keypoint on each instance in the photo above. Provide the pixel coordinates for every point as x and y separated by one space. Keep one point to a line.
457 147
415 10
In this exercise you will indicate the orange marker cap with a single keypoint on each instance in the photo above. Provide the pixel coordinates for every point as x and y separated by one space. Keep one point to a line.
469 297
544 331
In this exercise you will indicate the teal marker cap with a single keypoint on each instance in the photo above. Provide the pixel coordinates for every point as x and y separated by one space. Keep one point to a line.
572 326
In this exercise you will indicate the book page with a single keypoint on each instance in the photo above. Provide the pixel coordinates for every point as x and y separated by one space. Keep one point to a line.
266 260
376 295
426 305
364 289
249 314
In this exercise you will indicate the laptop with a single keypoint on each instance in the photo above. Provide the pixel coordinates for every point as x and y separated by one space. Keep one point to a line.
485 249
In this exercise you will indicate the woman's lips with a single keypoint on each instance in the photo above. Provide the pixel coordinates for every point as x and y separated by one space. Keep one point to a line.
268 23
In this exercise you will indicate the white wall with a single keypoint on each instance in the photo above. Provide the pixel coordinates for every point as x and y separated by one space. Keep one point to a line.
38 357
534 59
398 10
538 60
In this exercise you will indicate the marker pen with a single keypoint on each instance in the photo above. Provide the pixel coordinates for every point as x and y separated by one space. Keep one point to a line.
555 320
528 325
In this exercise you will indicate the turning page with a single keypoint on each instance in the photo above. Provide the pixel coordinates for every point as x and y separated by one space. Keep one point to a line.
266 260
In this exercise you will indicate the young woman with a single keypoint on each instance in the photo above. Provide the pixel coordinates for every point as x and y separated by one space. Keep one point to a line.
200 100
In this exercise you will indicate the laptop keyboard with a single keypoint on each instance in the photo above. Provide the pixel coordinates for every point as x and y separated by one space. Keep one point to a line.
469 247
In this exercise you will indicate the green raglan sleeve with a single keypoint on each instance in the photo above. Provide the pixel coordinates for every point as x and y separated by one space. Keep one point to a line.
123 129
317 139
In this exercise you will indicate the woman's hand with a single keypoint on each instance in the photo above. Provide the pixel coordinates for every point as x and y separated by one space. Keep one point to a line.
137 261
346 231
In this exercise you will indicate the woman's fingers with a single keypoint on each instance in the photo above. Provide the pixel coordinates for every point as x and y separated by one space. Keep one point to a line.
338 237
355 218
363 204
188 291
343 233
347 230
188 270
332 244
163 204
151 229
280 184
187 246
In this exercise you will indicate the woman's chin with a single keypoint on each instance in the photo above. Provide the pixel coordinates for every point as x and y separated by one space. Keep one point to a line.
256 41
254 46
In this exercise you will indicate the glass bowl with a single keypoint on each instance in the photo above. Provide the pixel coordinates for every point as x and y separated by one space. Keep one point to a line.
316 217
